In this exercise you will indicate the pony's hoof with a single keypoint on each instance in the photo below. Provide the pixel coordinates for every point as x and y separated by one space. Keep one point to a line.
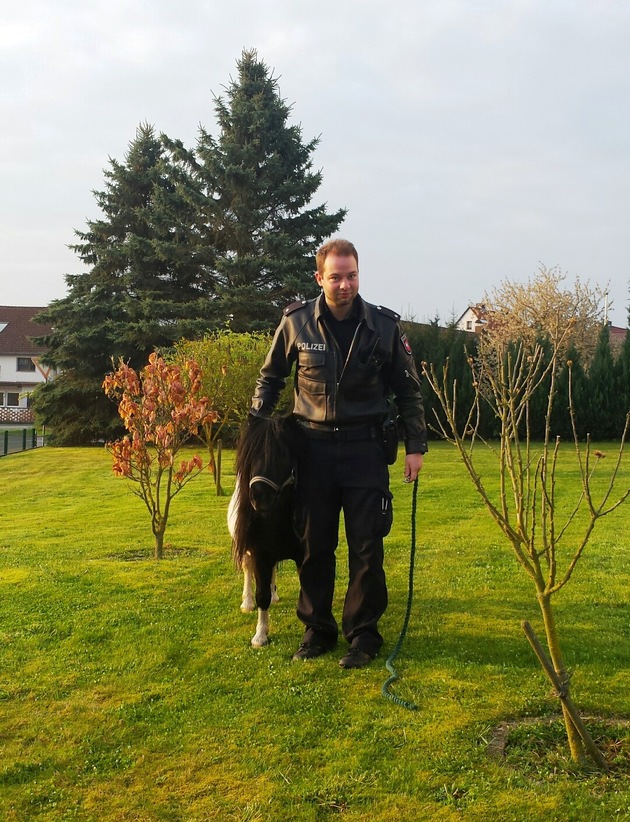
275 598
260 641
247 607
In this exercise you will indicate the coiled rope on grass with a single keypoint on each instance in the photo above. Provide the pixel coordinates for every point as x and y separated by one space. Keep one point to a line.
389 664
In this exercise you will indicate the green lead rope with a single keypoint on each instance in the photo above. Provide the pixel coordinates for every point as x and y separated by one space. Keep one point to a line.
390 659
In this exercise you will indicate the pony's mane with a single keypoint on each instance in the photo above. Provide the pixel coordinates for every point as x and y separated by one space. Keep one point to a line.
258 442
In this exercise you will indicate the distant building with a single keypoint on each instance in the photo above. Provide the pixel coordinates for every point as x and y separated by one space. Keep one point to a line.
472 319
20 361
617 336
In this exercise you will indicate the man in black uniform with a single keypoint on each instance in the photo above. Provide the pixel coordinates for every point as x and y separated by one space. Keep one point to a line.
351 358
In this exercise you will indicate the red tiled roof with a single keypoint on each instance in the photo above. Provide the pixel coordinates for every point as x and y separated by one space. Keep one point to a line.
17 328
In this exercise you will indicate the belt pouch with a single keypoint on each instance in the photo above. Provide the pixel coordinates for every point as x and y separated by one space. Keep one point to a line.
390 440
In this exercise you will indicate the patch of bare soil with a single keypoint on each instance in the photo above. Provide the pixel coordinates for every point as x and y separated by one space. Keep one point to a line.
538 746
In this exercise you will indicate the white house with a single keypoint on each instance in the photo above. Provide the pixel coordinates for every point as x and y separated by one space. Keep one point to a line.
472 319
20 366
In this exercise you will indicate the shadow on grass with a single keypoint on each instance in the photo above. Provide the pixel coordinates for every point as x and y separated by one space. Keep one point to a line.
171 552
489 632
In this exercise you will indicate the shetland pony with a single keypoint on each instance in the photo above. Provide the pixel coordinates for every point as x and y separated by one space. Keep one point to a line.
260 513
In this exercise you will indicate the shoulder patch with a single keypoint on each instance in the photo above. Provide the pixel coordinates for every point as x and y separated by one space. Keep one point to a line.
387 312
294 307
405 343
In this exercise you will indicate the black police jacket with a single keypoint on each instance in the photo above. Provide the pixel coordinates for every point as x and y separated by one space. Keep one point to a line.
328 390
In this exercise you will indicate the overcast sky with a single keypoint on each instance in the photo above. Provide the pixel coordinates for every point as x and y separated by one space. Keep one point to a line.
470 140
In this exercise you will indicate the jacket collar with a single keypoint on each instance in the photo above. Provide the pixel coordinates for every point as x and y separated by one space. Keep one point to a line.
363 313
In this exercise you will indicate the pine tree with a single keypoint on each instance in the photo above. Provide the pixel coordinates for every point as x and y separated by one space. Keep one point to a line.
572 370
259 179
146 285
602 400
188 243
622 378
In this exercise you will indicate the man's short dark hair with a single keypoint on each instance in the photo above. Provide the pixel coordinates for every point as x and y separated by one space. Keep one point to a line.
342 248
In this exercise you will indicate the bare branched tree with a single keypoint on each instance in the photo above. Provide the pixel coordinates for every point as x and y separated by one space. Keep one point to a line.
543 306
521 350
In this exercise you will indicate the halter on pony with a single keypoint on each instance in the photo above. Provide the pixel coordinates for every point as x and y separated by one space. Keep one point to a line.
290 480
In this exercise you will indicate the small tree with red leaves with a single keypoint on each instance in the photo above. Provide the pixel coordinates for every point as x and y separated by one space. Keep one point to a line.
161 409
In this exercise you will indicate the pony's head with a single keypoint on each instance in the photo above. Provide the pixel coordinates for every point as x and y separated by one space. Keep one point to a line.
265 463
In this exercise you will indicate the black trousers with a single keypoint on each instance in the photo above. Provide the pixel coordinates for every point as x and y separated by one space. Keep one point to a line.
336 476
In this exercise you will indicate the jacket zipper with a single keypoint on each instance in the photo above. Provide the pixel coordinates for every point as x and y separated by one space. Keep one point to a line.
337 351
354 339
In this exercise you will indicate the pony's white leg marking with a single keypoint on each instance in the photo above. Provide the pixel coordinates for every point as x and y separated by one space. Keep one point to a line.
274 586
261 637
247 600
231 513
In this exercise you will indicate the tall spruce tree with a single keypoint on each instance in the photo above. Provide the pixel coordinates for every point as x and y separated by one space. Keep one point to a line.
148 283
189 242
602 401
571 370
258 175
622 378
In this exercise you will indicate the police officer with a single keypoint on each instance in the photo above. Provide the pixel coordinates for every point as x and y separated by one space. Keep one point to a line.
351 357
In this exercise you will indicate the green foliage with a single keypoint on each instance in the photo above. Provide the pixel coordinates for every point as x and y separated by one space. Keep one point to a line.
129 690
188 242
560 416
141 290
602 403
622 378
230 364
144 288
259 178
73 410
601 394
434 343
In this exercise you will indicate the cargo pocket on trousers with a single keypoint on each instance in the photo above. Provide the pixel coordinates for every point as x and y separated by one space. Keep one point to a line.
387 514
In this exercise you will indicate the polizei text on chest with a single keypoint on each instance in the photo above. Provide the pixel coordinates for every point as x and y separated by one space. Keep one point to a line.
306 346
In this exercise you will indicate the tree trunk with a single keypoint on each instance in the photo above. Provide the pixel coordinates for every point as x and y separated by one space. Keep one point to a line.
218 468
551 633
567 703
159 544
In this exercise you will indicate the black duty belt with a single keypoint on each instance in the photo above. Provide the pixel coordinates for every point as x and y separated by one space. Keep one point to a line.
346 433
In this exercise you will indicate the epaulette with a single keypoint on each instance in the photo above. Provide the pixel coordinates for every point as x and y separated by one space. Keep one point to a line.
294 307
387 312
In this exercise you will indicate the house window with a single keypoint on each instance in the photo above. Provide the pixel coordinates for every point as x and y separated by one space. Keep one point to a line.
25 364
13 398
468 325
1 398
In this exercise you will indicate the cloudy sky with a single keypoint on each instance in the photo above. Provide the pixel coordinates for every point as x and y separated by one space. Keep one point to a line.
472 141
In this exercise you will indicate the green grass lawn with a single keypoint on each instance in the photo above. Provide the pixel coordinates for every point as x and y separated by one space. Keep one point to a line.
129 690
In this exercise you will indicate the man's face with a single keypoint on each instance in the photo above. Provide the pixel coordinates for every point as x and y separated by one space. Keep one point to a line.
340 281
